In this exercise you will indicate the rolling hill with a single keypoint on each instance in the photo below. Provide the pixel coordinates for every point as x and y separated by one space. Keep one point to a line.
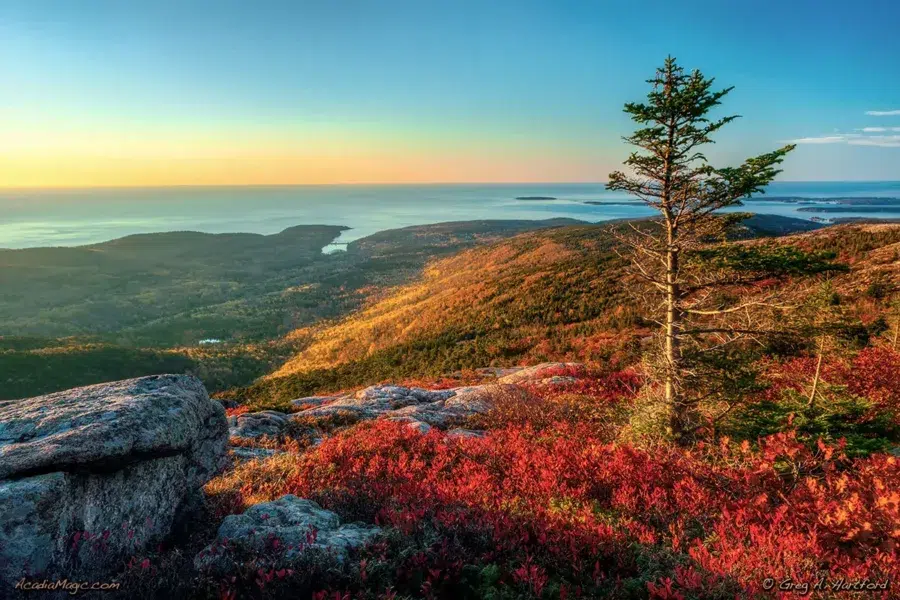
139 305
558 294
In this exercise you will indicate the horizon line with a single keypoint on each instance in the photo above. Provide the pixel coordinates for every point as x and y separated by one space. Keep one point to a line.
360 184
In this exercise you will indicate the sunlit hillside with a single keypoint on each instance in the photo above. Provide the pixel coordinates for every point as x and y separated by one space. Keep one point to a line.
538 295
872 250
213 305
547 295
535 281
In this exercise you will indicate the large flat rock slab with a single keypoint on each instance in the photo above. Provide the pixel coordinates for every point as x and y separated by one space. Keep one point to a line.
92 475
105 426
437 408
433 407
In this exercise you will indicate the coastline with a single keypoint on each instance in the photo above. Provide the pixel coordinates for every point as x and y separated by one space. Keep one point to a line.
71 218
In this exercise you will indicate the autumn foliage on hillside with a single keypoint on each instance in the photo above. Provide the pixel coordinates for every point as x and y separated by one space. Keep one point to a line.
536 297
555 503
554 295
571 491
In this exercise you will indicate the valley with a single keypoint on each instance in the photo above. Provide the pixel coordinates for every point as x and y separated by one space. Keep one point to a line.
140 305
299 320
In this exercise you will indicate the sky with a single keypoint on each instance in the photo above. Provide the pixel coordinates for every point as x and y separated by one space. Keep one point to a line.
190 92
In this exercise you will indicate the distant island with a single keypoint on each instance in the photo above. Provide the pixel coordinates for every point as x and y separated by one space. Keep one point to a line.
858 220
892 208
848 201
536 198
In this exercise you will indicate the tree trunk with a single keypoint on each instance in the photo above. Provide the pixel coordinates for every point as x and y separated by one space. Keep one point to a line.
674 401
896 333
673 347
815 385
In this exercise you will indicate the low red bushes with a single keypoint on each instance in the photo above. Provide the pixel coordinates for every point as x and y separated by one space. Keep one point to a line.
591 400
567 514
239 410
875 374
813 513
797 374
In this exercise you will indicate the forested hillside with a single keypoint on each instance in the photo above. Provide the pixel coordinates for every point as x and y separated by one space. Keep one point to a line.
139 305
554 295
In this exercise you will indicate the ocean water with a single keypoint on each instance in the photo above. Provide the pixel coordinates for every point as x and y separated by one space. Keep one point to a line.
31 218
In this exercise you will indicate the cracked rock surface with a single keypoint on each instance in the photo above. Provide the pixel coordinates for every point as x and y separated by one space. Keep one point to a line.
437 408
90 475
257 424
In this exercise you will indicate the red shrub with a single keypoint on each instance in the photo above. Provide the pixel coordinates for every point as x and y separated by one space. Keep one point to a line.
563 505
876 376
240 410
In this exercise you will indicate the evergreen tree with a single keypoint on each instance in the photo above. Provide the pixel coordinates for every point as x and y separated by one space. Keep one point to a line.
670 173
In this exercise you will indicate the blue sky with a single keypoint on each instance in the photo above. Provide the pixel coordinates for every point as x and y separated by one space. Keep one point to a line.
132 92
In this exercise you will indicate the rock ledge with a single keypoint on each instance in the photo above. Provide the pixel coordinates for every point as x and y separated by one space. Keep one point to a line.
91 475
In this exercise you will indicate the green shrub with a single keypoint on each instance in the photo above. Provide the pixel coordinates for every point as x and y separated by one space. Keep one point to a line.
836 414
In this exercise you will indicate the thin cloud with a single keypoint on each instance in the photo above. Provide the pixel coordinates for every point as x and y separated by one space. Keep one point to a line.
856 139
837 138
875 135
825 139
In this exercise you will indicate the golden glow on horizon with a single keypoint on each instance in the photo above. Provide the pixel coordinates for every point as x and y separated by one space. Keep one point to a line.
167 157
123 163
59 172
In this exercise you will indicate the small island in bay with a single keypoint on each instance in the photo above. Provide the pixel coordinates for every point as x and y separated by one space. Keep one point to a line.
843 208
835 200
